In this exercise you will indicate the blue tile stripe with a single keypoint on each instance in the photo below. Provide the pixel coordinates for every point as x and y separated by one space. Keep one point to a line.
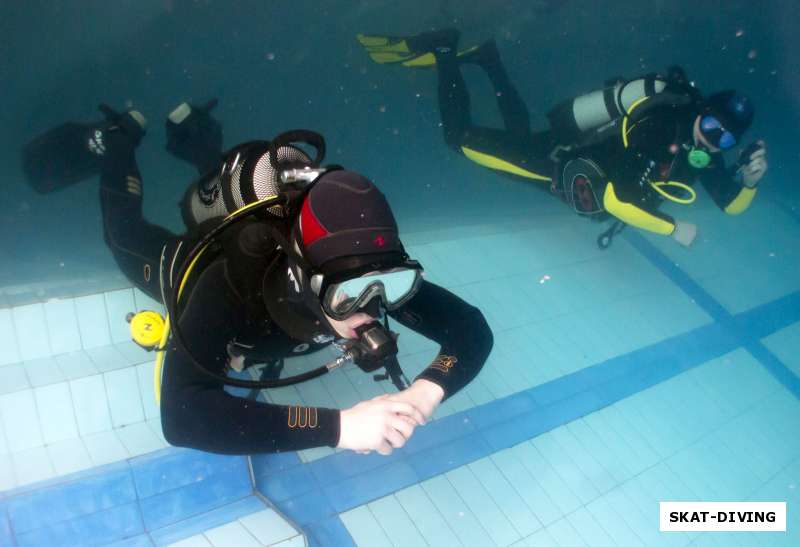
330 531
753 345
171 494
206 521
6 539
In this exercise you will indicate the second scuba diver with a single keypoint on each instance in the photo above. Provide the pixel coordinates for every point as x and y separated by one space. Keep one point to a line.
618 151
282 258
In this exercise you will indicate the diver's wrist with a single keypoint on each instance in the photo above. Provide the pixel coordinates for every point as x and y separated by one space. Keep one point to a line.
431 391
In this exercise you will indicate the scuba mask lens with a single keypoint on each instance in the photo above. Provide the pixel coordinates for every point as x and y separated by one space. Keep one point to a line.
392 288
727 140
698 158
716 134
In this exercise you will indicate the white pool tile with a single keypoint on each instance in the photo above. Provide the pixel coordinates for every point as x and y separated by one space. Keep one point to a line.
9 351
228 535
478 499
8 479
364 527
134 354
105 447
562 462
91 404
505 496
43 371
268 527
69 456
76 365
158 431
144 373
396 523
56 414
118 305
124 399
144 302
32 465
455 511
92 321
62 326
426 517
107 358
139 439
296 541
20 420
13 378
31 329
194 541
4 449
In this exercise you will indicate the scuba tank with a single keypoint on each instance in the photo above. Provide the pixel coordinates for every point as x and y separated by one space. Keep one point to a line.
582 119
251 172
575 117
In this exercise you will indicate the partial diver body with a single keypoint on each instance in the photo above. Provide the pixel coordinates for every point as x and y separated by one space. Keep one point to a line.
253 303
620 151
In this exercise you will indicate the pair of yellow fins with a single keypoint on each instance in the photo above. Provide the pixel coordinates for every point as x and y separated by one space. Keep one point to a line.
386 50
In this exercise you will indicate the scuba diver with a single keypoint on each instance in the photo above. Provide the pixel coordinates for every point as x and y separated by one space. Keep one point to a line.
616 152
282 257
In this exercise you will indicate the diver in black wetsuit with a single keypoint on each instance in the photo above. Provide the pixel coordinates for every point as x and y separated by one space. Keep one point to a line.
267 294
619 151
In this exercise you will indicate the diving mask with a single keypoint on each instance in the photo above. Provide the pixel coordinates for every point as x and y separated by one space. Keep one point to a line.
343 295
716 134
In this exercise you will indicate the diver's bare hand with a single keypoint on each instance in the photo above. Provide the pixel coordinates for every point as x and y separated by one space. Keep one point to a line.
684 232
379 424
754 167
422 394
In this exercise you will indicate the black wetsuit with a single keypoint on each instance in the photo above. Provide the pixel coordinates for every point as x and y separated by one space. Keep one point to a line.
226 308
657 147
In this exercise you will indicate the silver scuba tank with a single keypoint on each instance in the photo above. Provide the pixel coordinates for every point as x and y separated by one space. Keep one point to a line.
246 176
574 118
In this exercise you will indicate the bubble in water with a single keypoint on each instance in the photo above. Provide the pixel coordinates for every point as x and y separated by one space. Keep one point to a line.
752 54
740 33
270 56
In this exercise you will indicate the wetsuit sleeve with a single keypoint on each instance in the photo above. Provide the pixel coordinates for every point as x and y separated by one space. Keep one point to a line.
465 338
721 184
629 212
197 412
624 197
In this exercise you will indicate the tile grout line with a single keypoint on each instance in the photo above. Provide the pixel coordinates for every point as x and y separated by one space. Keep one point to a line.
717 311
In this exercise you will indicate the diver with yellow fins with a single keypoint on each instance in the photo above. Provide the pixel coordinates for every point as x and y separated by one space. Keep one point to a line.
282 257
619 151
